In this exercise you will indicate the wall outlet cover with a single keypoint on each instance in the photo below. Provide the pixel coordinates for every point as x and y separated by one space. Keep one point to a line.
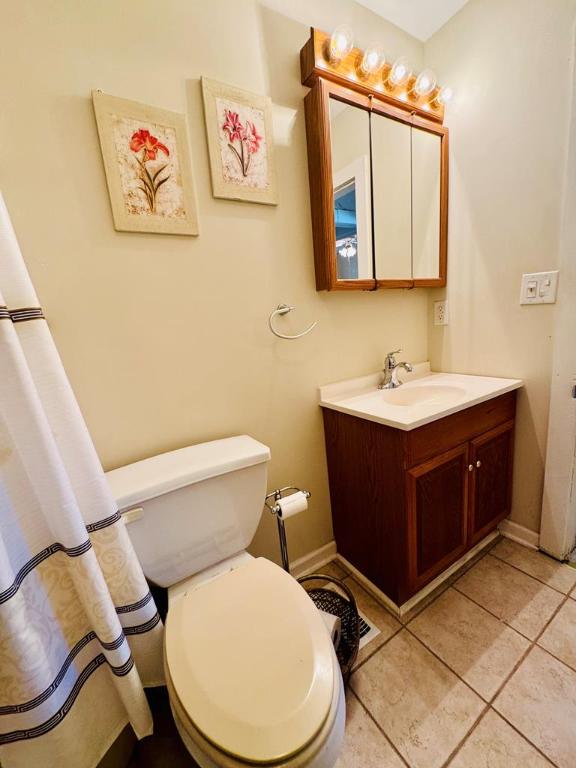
539 287
441 312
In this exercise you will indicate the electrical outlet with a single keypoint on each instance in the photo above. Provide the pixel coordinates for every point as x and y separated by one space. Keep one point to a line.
441 313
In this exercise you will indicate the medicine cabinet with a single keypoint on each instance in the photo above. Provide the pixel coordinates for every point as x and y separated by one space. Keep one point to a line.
378 189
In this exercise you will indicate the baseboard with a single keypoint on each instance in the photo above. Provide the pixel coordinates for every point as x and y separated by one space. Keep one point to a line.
519 533
400 611
313 560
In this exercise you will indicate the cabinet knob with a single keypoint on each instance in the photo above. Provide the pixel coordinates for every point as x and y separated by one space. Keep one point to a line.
478 463
470 467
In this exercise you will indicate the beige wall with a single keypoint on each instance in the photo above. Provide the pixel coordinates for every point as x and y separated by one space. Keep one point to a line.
165 339
510 63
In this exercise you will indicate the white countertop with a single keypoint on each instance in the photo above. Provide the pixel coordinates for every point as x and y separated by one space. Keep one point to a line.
424 396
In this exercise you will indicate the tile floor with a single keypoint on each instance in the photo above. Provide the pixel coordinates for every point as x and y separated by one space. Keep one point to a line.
484 676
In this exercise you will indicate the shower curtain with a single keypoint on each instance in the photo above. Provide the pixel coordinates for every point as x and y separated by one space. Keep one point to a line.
79 630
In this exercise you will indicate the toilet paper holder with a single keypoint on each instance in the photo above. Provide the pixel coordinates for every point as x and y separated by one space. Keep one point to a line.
276 510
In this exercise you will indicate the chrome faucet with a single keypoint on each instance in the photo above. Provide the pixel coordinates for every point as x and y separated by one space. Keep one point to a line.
391 380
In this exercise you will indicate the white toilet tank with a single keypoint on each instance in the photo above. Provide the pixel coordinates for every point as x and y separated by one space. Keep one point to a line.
193 507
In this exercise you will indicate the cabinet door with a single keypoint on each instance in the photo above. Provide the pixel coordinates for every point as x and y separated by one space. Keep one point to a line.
437 496
490 494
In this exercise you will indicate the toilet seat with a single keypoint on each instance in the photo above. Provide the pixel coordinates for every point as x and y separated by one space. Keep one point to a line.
251 662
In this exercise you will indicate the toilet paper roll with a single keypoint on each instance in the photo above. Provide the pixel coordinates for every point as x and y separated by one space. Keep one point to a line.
333 625
291 505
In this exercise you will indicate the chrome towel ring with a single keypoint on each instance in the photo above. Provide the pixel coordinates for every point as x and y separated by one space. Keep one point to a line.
283 309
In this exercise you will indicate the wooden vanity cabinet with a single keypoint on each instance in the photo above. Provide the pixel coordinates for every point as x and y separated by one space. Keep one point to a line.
408 504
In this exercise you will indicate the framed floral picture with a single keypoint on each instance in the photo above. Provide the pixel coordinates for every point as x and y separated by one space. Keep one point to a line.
148 167
240 142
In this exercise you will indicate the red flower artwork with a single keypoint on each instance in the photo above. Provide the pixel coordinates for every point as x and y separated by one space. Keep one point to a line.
246 136
150 181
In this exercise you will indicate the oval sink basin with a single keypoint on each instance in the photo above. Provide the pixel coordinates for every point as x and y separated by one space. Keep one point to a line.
423 397
429 393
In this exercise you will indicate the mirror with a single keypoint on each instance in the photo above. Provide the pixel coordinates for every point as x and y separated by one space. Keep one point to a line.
378 191
350 135
392 192
426 156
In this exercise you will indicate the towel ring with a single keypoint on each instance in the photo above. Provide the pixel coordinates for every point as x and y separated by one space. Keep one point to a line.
283 309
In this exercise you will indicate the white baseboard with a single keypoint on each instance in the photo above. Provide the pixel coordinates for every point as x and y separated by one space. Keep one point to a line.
401 610
313 560
519 533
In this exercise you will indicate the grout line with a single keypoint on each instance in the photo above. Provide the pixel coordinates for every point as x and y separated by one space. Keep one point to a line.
441 660
463 741
378 726
488 704
523 736
503 621
375 651
531 575
519 663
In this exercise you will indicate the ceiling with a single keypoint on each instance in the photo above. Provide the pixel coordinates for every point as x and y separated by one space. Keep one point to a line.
420 18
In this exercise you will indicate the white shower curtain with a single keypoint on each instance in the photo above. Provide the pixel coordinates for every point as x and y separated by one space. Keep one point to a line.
79 630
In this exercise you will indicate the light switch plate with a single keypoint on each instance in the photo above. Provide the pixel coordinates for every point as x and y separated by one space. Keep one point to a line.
441 313
539 287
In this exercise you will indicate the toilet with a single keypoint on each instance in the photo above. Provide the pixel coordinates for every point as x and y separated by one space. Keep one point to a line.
250 668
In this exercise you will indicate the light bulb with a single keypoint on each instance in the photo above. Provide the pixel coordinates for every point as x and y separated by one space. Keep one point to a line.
425 83
373 60
445 95
341 43
399 72
347 251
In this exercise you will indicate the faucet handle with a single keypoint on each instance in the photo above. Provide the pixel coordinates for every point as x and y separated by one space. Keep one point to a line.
396 352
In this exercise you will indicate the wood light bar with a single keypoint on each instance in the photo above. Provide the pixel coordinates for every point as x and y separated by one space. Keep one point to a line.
315 62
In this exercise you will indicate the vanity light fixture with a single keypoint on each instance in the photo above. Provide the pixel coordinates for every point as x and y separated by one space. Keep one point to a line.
373 60
341 43
399 73
333 57
425 83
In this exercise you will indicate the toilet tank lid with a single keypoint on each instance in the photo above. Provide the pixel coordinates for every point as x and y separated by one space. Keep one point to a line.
149 478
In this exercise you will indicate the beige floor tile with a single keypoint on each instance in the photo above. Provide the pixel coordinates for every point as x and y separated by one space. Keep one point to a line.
423 708
540 701
521 601
377 614
364 745
537 564
477 646
560 636
494 744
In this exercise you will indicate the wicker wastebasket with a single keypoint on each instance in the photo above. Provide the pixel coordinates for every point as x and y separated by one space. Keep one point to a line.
327 599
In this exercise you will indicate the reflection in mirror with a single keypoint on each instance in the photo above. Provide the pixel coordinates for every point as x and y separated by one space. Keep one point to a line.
391 172
350 134
426 156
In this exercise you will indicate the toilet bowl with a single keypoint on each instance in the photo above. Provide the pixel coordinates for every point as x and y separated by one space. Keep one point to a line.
250 668
251 673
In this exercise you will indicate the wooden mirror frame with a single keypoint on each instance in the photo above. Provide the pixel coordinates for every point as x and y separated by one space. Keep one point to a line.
318 133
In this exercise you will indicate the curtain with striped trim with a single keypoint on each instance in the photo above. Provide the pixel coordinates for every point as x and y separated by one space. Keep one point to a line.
79 630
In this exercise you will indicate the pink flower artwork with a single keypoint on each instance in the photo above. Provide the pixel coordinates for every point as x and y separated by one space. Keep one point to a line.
243 139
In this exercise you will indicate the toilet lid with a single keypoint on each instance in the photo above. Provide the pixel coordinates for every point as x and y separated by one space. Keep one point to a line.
251 662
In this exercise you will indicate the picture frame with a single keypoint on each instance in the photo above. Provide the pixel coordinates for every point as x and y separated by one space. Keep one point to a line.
240 143
148 166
